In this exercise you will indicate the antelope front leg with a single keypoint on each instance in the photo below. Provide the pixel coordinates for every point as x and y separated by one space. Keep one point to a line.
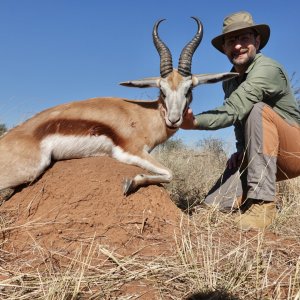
131 184
147 162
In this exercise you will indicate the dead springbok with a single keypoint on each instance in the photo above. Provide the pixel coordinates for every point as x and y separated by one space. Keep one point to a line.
123 129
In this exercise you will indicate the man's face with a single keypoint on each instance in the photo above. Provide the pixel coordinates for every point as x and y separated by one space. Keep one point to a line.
241 47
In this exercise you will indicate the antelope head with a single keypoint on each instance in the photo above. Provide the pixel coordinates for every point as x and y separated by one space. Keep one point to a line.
176 85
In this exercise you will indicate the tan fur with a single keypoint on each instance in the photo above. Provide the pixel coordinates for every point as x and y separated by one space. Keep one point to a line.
174 79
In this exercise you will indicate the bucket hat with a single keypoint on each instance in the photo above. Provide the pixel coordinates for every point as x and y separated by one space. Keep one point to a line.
241 20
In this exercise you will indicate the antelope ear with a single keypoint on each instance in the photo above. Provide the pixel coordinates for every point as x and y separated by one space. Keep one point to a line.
143 83
212 78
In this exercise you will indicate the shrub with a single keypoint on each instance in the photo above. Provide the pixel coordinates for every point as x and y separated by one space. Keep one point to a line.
3 129
194 169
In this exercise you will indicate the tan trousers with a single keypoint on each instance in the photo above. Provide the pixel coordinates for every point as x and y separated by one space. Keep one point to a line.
272 154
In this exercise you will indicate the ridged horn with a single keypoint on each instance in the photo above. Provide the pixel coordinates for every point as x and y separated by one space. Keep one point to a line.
185 59
166 65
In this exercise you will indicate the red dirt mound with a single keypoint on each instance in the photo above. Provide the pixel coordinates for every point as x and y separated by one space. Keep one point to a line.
79 201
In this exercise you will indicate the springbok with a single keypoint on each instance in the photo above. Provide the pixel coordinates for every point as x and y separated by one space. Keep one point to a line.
124 129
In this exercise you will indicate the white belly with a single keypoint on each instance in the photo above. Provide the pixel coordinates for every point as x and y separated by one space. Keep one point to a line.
64 147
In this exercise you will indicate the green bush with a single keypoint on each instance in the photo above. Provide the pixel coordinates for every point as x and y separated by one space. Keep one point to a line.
3 129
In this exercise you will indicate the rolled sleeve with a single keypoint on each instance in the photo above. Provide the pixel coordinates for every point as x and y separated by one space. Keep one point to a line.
262 84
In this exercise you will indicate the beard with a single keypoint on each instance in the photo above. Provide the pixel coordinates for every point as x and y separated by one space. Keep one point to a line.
243 58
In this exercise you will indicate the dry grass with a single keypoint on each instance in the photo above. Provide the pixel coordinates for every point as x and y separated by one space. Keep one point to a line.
213 260
195 171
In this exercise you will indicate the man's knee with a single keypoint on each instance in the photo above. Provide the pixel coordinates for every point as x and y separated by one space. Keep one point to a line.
256 114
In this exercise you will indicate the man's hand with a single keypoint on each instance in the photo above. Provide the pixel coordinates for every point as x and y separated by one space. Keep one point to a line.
235 160
189 121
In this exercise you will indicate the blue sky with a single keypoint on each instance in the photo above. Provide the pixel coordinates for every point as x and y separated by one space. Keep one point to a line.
58 51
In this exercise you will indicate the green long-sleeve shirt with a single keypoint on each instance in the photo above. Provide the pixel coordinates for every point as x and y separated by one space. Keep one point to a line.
265 80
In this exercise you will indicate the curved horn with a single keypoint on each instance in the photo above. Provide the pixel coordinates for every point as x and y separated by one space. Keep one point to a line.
166 65
185 60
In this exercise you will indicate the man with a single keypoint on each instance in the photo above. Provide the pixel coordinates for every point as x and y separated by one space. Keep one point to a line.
262 107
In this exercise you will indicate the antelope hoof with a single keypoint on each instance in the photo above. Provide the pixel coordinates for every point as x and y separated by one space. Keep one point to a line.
5 194
128 186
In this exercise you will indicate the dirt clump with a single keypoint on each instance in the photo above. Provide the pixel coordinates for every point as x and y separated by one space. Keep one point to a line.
80 201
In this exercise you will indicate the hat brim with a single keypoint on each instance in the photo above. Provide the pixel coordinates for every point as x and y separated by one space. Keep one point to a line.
262 29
